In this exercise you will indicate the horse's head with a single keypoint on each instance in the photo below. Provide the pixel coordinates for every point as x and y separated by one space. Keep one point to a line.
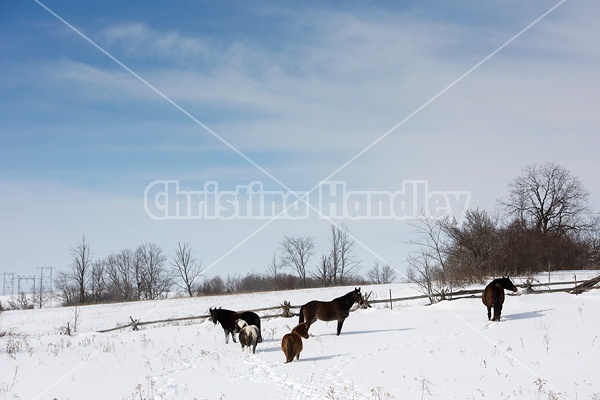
507 284
302 330
213 315
358 296
239 325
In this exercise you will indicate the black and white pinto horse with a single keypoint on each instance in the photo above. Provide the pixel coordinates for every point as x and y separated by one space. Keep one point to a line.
248 335
228 318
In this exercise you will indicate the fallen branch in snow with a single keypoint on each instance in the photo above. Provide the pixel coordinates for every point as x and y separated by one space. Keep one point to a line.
586 285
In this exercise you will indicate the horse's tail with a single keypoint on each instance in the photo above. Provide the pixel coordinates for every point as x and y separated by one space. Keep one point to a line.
290 349
301 319
496 296
260 338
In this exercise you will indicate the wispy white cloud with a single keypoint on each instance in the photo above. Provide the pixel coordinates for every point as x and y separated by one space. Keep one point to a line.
303 107
139 39
348 81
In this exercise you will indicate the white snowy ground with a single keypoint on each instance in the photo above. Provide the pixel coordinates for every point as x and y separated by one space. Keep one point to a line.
547 346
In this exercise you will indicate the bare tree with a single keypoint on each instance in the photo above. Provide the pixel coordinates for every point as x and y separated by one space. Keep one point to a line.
323 273
187 267
214 285
296 253
381 275
472 247
42 293
429 267
232 283
433 239
274 272
424 270
593 241
388 274
66 288
81 267
343 262
98 284
121 274
155 278
374 274
334 255
548 198
252 282
138 262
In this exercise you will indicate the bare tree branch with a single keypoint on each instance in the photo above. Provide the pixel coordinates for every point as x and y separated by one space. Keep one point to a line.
81 267
187 267
548 198
295 254
343 261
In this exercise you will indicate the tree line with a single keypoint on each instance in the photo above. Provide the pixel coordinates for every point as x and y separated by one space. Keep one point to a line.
148 273
544 224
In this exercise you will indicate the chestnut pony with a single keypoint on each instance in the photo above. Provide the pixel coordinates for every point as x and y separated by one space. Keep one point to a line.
291 344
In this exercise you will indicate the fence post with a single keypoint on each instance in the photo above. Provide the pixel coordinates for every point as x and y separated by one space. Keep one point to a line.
391 303
286 306
134 323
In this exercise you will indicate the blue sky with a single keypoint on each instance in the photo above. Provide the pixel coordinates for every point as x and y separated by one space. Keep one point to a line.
298 89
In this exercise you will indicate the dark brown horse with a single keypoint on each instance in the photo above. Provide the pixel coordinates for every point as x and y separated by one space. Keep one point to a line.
336 309
493 296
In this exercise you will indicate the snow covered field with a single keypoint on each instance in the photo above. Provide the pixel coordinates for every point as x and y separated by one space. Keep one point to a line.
547 346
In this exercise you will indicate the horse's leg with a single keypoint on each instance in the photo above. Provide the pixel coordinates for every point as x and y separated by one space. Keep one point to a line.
499 307
233 337
226 336
498 299
339 326
308 324
497 311
309 321
489 312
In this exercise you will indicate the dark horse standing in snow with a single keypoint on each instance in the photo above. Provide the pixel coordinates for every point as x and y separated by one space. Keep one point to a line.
228 318
336 309
493 296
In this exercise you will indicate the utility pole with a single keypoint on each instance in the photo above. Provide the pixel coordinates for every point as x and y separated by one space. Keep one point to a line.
45 283
8 284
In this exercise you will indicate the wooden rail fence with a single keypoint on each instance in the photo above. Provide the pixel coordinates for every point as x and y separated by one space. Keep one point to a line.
569 287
